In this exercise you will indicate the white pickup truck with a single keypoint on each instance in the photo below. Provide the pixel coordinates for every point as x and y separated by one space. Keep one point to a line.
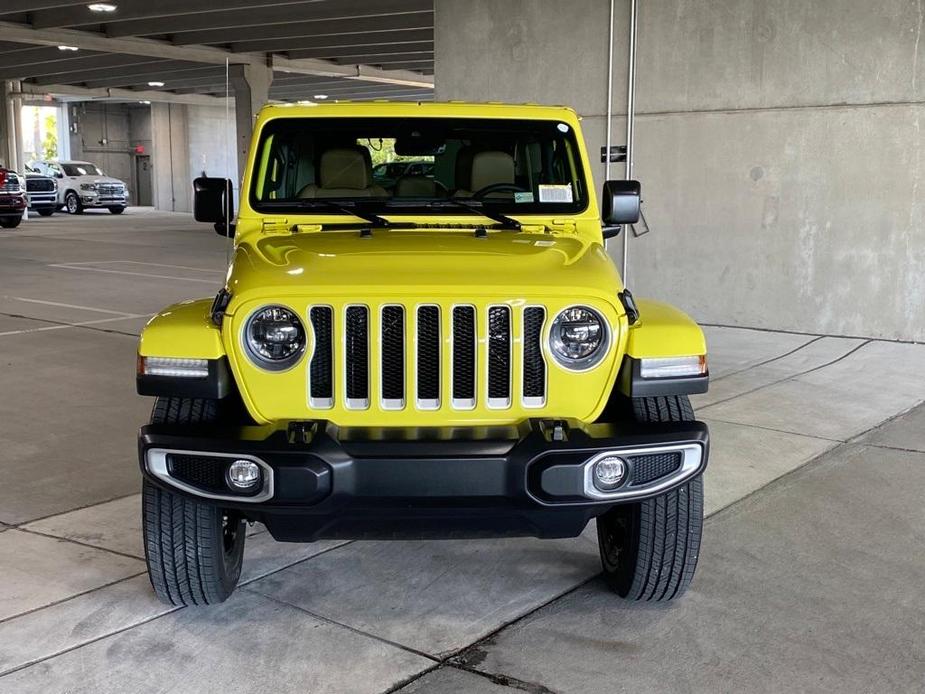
81 185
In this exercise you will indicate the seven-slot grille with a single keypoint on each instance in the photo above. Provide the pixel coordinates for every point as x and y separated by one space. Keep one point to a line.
412 339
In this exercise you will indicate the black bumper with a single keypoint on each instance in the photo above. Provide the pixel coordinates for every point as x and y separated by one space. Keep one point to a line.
330 482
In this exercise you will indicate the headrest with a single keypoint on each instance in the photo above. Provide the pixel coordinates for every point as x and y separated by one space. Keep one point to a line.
346 167
489 168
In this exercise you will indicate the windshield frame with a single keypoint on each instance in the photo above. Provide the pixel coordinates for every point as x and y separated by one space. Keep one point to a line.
428 206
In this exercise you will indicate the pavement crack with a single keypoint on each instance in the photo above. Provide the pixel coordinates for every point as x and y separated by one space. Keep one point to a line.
768 361
791 377
508 681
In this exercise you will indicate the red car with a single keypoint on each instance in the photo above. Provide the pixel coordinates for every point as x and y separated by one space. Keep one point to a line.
12 199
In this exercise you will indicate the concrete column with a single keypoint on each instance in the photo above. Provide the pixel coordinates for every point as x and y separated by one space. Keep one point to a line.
519 51
251 87
5 125
11 146
170 144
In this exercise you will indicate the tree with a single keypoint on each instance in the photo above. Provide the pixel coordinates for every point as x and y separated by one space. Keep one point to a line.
50 142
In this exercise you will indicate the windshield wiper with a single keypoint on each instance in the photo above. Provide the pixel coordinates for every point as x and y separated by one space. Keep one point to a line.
336 207
504 220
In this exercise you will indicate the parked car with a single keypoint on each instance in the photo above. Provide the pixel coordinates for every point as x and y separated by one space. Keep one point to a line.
12 199
81 185
42 193
385 367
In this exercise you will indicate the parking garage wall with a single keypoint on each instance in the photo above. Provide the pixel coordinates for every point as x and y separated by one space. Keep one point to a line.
778 144
107 135
189 140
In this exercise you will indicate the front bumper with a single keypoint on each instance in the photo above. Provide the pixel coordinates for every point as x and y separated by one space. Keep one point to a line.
41 201
321 481
104 200
12 205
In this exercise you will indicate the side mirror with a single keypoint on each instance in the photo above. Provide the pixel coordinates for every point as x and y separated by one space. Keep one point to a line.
59 175
213 201
620 203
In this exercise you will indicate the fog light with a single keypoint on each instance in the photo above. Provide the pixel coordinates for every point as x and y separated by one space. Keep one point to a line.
608 473
243 475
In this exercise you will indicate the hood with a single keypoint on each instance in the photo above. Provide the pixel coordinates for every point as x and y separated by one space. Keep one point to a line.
101 179
422 263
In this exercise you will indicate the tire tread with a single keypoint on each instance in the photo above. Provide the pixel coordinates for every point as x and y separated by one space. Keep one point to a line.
669 526
180 533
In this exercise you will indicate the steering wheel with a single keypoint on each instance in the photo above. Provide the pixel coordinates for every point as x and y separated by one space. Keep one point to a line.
497 188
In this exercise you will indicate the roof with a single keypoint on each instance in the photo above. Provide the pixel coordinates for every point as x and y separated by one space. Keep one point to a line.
412 109
175 50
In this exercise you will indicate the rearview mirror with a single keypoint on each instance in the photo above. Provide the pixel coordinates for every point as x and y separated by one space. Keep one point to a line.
620 205
213 201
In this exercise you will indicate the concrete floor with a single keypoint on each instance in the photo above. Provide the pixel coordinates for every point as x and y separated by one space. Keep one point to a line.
810 578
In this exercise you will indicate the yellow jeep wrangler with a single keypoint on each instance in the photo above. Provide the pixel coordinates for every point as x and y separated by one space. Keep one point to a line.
448 354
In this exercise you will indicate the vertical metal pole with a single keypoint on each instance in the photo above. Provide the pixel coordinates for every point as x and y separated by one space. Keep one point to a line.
630 118
609 94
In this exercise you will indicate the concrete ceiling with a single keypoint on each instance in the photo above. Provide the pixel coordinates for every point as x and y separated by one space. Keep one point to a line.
341 49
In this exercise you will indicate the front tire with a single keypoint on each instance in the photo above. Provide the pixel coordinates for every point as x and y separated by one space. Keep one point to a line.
649 549
72 203
10 222
194 550
117 209
46 211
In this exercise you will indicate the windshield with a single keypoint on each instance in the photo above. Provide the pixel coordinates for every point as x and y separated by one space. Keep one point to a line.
81 170
512 166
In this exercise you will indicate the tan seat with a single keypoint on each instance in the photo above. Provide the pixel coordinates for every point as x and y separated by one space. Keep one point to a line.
415 187
489 168
345 172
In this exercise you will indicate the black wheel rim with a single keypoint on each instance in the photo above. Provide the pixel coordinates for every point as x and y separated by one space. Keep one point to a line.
618 537
231 526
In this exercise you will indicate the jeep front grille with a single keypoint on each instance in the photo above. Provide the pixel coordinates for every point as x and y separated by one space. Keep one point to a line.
534 368
392 368
321 367
356 351
465 344
428 362
499 356
415 346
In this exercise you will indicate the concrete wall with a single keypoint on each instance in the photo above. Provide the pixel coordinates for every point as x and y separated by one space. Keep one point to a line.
778 143
107 134
188 140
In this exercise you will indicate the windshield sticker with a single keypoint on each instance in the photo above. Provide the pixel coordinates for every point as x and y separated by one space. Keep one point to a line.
555 193
523 197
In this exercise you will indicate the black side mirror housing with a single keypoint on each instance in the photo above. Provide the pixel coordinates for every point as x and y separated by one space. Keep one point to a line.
213 202
620 204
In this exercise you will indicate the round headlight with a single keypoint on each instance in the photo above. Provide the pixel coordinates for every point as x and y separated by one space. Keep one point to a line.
274 337
578 338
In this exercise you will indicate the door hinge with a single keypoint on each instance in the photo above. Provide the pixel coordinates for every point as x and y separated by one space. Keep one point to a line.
275 225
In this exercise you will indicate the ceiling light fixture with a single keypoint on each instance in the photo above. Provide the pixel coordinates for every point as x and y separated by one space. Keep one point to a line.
68 48
320 97
146 102
102 7
155 84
